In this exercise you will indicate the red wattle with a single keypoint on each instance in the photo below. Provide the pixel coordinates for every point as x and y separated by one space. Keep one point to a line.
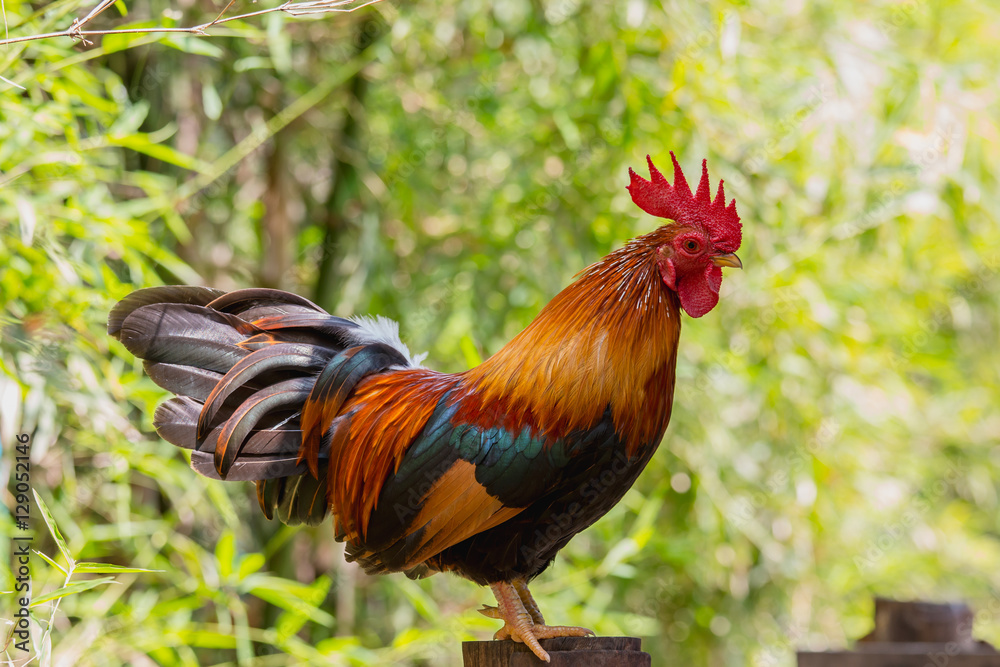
700 294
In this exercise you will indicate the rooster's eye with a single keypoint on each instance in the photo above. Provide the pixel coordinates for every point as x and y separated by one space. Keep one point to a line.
692 246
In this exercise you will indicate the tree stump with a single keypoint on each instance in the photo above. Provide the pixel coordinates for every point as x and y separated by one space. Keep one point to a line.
564 652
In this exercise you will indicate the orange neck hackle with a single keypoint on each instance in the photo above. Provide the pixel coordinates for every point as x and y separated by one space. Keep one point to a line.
608 339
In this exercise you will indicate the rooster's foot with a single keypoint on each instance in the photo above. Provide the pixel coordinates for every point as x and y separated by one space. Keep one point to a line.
529 604
519 618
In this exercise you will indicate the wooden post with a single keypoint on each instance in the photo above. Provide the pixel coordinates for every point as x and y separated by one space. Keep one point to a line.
564 652
913 634
900 655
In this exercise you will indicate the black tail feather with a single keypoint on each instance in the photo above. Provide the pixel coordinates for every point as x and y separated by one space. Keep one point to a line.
197 296
294 500
241 300
187 335
237 428
250 469
183 380
283 356
243 365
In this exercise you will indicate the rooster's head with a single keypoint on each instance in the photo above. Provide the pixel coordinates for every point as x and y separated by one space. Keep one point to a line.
704 237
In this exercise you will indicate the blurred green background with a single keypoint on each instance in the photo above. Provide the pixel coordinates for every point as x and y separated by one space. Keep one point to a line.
452 165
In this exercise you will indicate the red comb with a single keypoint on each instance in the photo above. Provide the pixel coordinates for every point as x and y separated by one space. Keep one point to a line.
657 197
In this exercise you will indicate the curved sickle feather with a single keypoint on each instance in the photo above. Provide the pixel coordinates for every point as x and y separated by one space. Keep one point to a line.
175 422
243 299
248 469
282 394
186 334
182 380
332 388
321 322
187 294
334 340
282 356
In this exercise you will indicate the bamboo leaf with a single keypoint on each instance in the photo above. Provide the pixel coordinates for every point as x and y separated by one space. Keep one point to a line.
50 561
72 589
192 44
141 143
107 568
250 564
53 529
290 595
225 554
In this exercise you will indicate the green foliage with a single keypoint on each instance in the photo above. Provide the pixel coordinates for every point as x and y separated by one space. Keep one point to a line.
453 165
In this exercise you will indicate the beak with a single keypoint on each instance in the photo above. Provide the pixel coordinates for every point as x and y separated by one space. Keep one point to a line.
729 259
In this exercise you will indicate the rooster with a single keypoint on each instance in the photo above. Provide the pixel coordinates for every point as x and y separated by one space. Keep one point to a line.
486 473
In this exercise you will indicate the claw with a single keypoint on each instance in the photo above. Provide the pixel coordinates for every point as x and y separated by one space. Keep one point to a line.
490 612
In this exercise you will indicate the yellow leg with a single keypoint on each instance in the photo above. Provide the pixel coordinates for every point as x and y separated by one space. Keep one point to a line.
517 609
